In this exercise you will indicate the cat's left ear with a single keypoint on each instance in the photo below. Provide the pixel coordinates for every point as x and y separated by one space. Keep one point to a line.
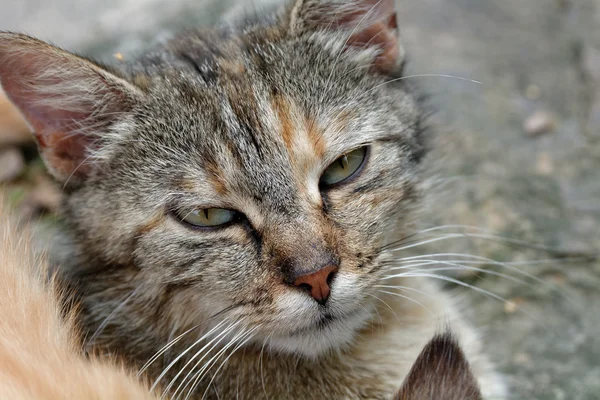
69 102
368 25
441 372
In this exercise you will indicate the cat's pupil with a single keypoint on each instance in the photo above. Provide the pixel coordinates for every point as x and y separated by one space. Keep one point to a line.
344 166
343 161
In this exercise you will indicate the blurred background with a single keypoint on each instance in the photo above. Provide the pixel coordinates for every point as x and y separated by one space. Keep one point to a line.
514 177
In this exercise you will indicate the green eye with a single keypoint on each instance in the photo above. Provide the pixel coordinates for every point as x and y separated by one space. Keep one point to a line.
208 217
344 167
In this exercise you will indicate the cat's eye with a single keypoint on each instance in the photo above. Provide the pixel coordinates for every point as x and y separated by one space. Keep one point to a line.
344 167
208 217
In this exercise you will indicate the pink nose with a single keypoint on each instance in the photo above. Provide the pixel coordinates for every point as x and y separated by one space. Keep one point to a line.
317 283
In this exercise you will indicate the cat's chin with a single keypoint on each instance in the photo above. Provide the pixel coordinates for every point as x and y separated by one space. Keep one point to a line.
312 331
328 335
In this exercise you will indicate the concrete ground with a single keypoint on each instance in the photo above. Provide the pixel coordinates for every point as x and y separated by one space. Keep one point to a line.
517 154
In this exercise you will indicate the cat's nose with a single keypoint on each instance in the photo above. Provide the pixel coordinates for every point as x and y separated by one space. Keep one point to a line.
318 283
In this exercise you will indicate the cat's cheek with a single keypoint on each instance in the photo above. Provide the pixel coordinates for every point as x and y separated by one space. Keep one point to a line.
344 290
187 308
295 310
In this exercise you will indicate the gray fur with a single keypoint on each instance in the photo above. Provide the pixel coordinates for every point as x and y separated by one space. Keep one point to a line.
207 128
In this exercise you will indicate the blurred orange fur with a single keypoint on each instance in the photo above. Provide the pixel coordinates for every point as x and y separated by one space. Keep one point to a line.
13 128
40 357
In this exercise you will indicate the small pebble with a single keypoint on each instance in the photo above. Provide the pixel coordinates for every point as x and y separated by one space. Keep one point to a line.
558 279
533 92
12 164
522 359
539 123
13 129
544 164
44 196
513 305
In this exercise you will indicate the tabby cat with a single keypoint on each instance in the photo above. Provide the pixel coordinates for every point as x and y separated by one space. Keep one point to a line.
232 201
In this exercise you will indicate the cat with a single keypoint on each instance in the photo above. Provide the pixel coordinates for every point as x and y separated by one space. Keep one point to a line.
41 356
233 199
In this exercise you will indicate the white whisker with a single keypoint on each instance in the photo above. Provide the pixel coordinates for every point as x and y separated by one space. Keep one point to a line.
262 374
244 340
413 274
384 303
460 78
409 299
406 289
104 323
453 265
164 372
197 376
163 349
214 342
427 241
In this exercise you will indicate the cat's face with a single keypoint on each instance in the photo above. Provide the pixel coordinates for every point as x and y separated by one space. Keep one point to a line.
251 176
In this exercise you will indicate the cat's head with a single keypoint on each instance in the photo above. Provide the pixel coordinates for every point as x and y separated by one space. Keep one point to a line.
249 174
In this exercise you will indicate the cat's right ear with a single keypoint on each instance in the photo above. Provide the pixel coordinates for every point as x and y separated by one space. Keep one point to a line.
68 101
367 26
441 372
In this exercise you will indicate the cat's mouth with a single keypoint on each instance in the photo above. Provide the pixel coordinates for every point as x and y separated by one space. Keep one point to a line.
301 326
325 320
327 331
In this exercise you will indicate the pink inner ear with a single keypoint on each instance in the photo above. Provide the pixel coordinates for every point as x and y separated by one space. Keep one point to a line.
56 124
55 129
372 22
65 99
65 153
383 35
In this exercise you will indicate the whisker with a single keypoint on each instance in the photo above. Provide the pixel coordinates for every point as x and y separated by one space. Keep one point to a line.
104 323
163 349
434 229
197 377
448 279
491 260
460 78
216 339
245 340
453 265
482 260
484 271
262 372
409 299
489 235
164 372
174 341
406 289
430 240
382 301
